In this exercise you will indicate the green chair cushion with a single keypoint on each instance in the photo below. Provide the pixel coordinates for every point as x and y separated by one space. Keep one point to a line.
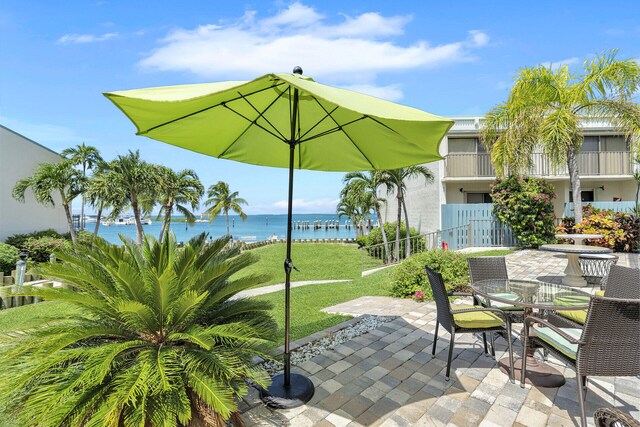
578 316
475 319
551 337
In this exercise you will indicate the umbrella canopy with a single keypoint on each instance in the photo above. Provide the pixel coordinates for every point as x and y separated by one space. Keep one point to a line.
337 129
286 120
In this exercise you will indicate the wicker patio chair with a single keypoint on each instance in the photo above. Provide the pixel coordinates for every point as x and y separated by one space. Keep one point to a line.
611 417
466 319
494 268
623 282
606 346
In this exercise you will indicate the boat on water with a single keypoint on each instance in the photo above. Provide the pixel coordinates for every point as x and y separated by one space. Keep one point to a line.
129 220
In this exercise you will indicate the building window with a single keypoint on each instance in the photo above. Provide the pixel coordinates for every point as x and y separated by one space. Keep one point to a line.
587 196
479 198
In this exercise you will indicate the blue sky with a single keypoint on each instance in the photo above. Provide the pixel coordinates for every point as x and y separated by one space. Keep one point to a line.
448 58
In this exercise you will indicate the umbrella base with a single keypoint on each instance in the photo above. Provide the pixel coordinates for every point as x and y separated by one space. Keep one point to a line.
299 392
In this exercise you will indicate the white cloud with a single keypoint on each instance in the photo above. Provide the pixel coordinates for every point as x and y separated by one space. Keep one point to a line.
554 65
51 136
85 38
309 206
390 93
353 51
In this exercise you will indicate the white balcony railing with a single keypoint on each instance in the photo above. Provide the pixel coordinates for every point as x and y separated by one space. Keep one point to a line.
603 163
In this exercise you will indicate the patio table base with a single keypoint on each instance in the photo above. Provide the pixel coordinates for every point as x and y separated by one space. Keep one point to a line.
538 373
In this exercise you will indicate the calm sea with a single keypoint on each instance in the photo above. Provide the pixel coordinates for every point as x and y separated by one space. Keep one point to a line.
255 228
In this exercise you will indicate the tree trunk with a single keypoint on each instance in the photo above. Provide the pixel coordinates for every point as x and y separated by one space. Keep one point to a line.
98 219
67 212
226 214
381 225
136 216
166 223
407 249
574 178
399 219
84 175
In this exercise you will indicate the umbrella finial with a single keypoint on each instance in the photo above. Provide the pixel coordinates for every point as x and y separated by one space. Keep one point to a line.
297 70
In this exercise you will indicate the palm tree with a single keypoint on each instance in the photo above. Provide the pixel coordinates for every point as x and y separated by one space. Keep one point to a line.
369 182
177 191
102 193
155 338
137 179
221 199
396 180
49 179
545 107
86 156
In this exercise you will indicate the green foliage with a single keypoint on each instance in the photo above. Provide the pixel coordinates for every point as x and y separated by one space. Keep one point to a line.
410 276
620 230
40 248
18 240
154 338
8 258
525 204
375 236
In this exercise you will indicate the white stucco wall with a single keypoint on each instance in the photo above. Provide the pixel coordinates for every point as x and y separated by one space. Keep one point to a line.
18 158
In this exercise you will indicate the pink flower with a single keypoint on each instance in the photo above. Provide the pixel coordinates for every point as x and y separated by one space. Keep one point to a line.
418 295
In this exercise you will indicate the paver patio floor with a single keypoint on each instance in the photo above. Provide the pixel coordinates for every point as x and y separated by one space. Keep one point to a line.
387 377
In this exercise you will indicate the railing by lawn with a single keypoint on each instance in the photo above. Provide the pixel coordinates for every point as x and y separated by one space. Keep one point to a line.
483 233
7 301
591 163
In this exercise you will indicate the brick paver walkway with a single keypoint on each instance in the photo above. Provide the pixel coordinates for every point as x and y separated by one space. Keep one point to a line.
387 377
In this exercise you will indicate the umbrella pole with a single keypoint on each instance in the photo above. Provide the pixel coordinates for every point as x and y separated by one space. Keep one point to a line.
289 390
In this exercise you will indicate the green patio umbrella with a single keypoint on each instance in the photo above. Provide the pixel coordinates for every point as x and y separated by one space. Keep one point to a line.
286 120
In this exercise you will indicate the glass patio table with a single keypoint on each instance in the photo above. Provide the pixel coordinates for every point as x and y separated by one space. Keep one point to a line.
533 295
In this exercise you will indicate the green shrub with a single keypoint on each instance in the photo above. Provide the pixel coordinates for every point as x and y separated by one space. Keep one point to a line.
375 238
39 249
525 204
620 230
8 258
18 240
410 276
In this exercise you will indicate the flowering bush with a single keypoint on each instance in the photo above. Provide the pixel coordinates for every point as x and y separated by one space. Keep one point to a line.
620 230
526 205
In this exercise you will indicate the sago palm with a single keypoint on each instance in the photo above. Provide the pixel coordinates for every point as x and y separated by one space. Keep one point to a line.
545 107
222 200
156 339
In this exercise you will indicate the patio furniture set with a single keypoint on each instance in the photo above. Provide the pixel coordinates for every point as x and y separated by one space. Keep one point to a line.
597 335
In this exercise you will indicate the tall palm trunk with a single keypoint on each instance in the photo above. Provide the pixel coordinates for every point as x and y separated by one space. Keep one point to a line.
407 249
385 242
84 175
398 220
167 221
98 219
67 212
226 215
574 178
136 216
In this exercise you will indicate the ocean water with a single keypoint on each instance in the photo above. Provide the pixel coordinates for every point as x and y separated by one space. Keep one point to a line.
255 228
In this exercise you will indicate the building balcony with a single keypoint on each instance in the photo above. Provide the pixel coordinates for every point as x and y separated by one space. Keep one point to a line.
602 163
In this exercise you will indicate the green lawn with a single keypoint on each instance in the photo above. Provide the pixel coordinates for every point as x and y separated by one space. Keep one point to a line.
316 261
308 301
